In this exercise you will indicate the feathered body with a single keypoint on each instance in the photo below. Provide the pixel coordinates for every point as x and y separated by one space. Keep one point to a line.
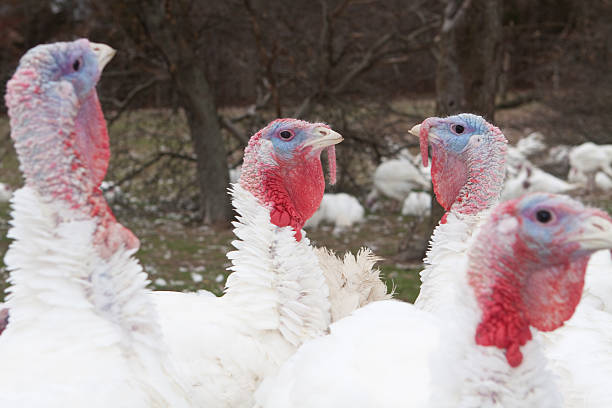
396 178
480 353
276 296
418 204
82 330
588 159
275 299
530 178
341 209
353 281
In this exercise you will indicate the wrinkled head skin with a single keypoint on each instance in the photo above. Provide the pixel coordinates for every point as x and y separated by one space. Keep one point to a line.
527 266
60 134
468 160
282 169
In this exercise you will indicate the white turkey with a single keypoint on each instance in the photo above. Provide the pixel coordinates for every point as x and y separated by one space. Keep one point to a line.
588 159
532 179
417 204
479 354
341 209
82 331
353 280
276 296
531 144
395 179
601 181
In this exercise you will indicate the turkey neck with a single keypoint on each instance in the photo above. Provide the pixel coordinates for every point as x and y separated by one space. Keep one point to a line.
467 187
484 181
276 278
483 374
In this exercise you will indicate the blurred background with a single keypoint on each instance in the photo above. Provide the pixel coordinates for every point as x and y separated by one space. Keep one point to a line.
193 80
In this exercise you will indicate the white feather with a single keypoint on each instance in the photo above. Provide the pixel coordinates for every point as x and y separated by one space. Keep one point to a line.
393 354
341 209
81 330
353 281
276 298
396 178
417 204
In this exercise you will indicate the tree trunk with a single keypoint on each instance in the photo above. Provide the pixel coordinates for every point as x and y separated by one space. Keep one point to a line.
469 62
209 148
172 31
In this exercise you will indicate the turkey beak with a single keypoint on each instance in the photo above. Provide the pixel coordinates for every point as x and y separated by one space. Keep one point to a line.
103 52
596 232
322 138
416 130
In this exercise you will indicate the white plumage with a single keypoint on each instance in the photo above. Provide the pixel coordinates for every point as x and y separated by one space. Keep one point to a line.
589 158
530 178
81 330
276 298
341 209
417 204
601 181
580 351
392 354
353 281
396 179
531 144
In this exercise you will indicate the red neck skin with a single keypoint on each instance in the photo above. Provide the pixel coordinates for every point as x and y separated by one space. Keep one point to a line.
518 289
472 182
64 163
292 190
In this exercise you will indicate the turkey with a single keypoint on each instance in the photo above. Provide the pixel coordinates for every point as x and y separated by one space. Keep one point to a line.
532 179
531 144
395 179
523 272
353 281
341 209
417 204
276 296
601 181
468 167
82 330
588 159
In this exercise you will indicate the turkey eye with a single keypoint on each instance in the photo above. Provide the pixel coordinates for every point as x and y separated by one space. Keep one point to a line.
76 64
458 129
543 216
286 135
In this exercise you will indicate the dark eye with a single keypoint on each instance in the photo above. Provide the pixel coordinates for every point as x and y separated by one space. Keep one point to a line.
458 129
286 135
76 64
544 216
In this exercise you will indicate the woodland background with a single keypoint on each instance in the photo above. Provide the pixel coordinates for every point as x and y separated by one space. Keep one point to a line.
193 80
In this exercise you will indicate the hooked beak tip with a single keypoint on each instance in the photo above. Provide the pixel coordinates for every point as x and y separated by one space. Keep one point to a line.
596 233
323 137
416 130
103 53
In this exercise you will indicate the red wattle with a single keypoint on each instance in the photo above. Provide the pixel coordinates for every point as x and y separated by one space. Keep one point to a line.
331 164
424 141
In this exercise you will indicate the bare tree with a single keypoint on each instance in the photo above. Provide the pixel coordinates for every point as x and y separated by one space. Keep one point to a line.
172 30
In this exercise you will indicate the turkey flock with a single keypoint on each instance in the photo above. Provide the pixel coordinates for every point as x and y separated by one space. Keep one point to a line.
514 310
